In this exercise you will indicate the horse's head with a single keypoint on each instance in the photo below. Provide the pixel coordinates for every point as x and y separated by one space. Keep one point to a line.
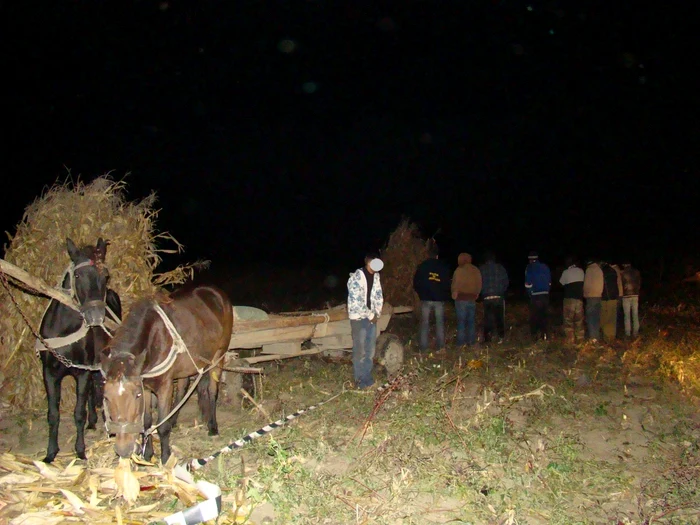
124 402
89 280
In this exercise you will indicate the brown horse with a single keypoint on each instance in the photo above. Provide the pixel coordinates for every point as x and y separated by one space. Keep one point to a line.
164 339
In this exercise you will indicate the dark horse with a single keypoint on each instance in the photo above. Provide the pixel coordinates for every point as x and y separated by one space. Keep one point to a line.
146 352
78 356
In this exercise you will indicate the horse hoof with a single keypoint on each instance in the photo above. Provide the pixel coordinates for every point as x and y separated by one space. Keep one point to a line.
48 459
81 455
214 432
90 426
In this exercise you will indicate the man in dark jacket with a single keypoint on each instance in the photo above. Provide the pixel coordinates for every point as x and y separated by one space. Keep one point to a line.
432 284
494 283
631 283
611 295
538 281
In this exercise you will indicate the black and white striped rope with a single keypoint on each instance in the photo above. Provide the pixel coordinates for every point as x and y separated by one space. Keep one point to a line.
196 464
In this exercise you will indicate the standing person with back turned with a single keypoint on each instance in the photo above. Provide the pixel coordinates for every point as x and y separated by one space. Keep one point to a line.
538 281
432 284
572 281
365 302
466 286
610 297
494 283
631 283
592 293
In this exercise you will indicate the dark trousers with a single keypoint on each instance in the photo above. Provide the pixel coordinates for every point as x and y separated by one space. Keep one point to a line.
539 315
494 318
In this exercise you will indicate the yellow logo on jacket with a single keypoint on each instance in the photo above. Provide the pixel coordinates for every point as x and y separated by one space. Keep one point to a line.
434 276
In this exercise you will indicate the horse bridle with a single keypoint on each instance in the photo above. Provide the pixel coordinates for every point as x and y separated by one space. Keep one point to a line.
53 343
126 427
94 303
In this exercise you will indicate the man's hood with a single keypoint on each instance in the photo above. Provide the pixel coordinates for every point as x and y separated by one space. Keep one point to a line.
464 258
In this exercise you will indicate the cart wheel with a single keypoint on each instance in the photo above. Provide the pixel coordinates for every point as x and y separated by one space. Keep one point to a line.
234 382
390 353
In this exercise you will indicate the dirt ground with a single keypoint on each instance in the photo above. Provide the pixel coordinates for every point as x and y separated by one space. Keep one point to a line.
520 432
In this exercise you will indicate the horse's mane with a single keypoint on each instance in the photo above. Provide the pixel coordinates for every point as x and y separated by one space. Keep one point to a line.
126 337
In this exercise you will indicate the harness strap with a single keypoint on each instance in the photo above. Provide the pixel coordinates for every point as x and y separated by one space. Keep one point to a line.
58 342
178 347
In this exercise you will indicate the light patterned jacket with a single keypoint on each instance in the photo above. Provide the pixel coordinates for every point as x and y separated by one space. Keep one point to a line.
357 297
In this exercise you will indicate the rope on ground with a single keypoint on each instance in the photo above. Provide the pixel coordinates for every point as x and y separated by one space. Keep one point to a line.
196 464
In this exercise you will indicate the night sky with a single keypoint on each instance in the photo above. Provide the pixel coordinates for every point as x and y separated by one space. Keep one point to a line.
301 131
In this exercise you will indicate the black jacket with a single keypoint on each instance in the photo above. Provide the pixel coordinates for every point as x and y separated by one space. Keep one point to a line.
432 281
610 289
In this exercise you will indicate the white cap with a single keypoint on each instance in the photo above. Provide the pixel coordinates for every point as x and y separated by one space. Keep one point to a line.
376 265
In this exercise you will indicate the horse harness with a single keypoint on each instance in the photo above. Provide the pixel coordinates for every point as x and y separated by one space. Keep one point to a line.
51 344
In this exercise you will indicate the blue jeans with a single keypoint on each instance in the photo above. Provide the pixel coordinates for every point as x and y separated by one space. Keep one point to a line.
630 305
364 343
594 307
425 308
466 326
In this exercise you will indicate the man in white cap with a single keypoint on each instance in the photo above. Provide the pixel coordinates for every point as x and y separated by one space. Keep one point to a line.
365 302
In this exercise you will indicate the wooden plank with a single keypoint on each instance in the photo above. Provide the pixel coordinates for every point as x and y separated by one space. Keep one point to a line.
287 321
291 319
36 284
263 358
284 335
292 347
255 334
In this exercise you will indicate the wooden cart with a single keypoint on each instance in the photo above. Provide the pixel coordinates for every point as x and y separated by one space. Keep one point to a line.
287 335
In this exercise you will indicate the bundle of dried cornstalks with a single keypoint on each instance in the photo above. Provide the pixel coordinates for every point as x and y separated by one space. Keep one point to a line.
83 212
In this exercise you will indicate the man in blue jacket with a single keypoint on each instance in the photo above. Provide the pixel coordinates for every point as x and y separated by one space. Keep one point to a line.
538 280
432 283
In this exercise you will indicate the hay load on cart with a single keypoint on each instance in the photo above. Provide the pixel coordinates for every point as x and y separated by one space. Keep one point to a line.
84 212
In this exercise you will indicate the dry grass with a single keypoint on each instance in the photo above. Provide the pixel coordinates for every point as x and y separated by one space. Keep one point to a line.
84 212
404 251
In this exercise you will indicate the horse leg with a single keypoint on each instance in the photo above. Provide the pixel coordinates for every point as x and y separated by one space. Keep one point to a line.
207 394
94 398
182 386
147 422
52 384
82 393
165 396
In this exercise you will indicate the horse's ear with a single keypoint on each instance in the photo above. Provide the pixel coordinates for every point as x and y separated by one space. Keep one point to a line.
101 249
72 249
